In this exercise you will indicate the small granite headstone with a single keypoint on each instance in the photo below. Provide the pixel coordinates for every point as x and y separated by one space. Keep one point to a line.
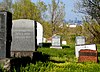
5 34
88 56
80 40
23 36
56 42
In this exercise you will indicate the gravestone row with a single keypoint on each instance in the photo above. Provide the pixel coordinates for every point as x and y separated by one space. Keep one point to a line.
22 33
85 52
24 37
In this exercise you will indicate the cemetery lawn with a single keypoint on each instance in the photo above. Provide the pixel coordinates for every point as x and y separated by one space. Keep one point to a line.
61 60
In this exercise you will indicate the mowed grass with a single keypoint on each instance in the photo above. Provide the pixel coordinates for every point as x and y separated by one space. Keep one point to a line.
61 60
64 60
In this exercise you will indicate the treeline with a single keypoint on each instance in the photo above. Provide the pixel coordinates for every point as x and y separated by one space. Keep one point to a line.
52 16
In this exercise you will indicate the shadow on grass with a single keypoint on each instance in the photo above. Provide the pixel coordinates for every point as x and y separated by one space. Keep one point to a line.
16 63
39 56
65 46
98 57
57 61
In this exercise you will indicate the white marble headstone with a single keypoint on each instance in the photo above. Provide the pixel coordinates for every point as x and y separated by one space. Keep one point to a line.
39 33
64 42
56 42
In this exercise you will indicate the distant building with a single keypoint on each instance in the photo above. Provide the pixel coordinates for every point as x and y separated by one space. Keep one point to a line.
73 23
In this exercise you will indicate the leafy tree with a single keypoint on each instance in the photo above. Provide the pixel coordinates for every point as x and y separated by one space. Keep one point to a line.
56 14
92 21
42 7
92 31
47 29
26 9
6 5
90 7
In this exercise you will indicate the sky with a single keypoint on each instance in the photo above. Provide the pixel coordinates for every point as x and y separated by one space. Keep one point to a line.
69 7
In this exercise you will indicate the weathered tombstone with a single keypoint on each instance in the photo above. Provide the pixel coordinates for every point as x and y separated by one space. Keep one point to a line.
80 40
80 44
88 56
23 37
44 40
56 42
39 33
64 43
5 34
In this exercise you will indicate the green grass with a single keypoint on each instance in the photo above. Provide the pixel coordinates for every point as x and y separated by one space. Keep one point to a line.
62 60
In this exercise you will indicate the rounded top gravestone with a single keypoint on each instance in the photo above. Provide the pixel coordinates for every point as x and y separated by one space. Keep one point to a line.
39 33
23 35
56 41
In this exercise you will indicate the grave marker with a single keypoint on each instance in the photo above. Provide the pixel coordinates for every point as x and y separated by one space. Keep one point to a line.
39 33
23 36
78 48
56 42
80 40
64 43
88 56
5 34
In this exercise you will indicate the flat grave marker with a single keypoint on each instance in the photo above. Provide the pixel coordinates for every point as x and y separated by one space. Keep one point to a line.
88 56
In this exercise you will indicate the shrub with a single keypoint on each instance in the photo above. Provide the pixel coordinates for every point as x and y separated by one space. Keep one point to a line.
44 44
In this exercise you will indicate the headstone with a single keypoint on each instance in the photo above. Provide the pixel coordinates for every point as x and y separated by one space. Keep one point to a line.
64 43
80 40
44 40
81 47
39 33
88 56
56 42
5 34
23 37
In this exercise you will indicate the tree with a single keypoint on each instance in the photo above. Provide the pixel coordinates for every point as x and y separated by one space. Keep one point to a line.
92 21
26 9
90 7
92 31
56 15
6 5
42 7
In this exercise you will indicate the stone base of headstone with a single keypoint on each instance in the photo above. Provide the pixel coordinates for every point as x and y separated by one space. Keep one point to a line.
21 53
6 63
56 47
88 56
